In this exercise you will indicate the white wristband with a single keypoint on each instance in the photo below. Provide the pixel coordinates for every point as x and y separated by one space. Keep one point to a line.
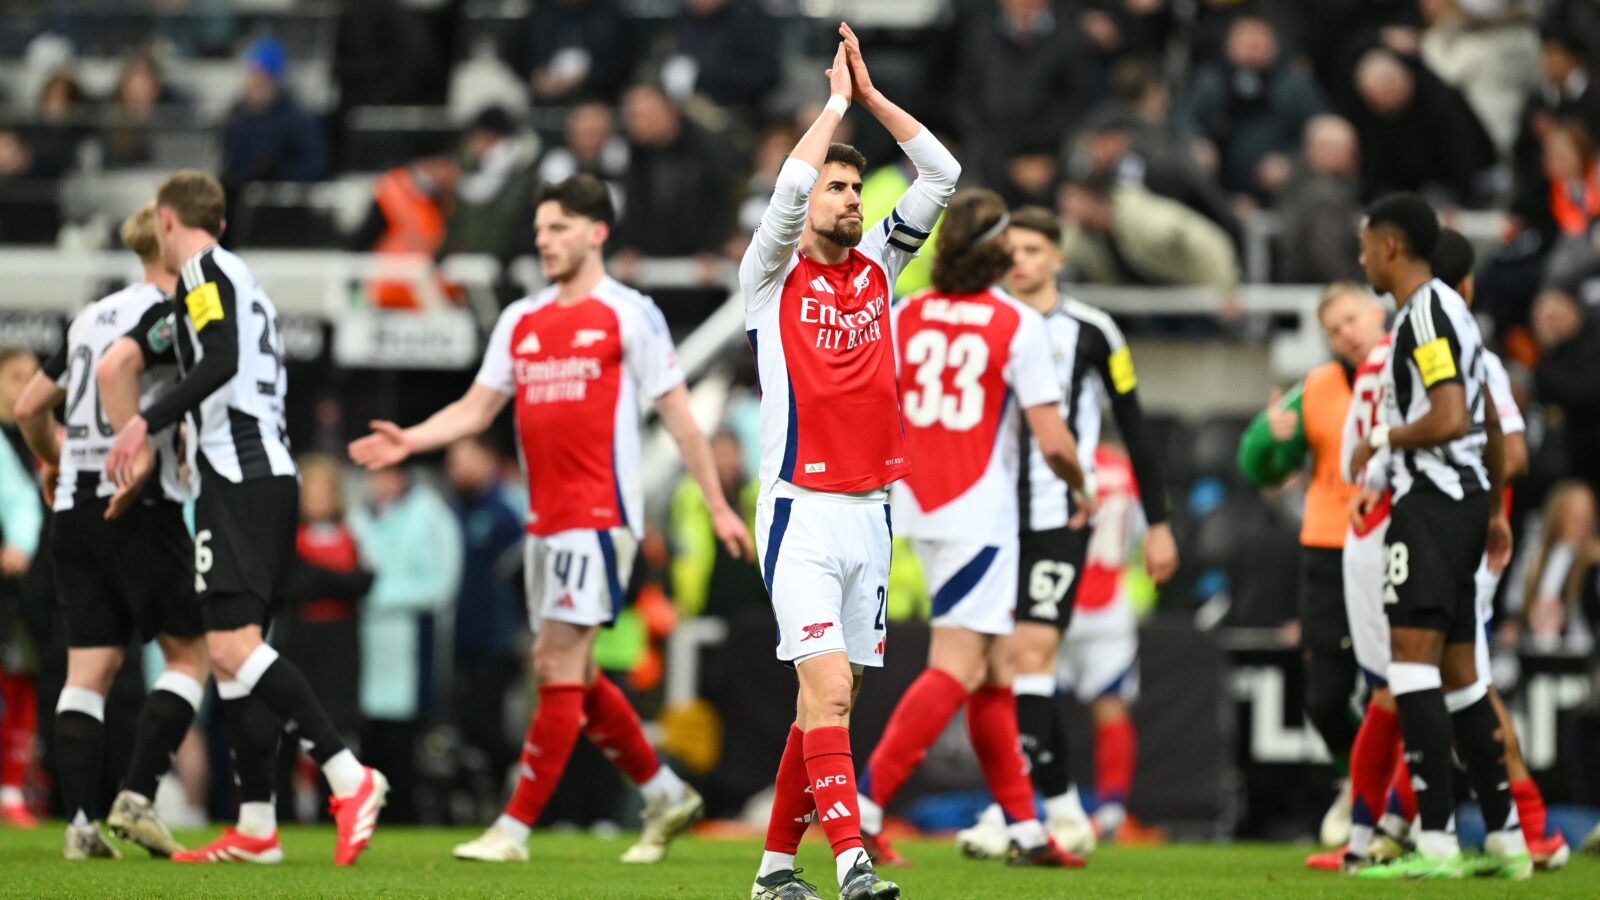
839 104
1379 438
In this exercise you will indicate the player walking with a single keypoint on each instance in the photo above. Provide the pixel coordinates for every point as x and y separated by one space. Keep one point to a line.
1374 758
577 357
1094 368
229 350
967 351
817 290
1443 473
118 575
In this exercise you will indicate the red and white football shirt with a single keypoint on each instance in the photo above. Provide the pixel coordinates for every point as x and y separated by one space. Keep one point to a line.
830 411
1366 411
576 373
1116 527
968 365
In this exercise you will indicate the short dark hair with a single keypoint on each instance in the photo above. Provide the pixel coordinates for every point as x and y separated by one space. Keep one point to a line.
1410 216
580 195
1453 257
1040 220
196 198
846 154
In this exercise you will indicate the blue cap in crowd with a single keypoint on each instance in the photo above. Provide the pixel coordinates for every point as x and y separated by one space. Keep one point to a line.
267 55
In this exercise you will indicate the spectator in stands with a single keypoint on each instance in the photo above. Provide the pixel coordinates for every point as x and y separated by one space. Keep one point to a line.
372 36
1564 93
1124 234
16 158
1568 376
1574 199
62 106
1488 50
1562 559
1027 77
410 205
140 93
592 147
1251 109
571 50
725 51
1401 105
1319 206
1031 178
494 200
490 619
771 151
680 195
22 519
320 631
267 135
410 537
1133 149
1580 20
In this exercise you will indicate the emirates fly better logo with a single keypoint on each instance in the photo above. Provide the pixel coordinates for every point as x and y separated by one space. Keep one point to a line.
815 631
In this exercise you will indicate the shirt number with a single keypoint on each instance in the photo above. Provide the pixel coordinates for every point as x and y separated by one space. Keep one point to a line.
931 352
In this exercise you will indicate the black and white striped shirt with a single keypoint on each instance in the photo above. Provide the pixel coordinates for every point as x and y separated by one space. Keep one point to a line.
1094 366
229 350
1435 341
88 432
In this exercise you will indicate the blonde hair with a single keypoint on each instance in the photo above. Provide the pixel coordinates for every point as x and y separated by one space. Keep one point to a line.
1555 506
1337 289
139 234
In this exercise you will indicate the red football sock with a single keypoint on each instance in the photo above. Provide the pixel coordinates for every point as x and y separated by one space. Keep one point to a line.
992 725
19 722
551 737
1405 795
1116 750
1372 762
792 808
614 727
1530 809
833 785
918 720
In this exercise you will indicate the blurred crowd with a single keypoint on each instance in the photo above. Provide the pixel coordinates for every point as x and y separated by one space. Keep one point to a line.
1158 129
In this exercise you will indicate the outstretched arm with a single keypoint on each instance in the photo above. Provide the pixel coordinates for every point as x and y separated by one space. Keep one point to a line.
679 421
389 444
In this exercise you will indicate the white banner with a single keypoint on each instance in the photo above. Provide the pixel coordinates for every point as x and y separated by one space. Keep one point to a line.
446 339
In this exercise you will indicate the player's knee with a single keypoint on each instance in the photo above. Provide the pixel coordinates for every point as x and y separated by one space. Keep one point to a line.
187 655
94 670
558 665
1032 660
827 698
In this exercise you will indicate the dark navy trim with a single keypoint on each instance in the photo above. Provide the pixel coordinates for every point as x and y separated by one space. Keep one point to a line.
780 524
962 583
791 443
608 553
750 335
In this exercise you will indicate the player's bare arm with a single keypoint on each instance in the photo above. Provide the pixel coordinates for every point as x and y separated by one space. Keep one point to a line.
389 444
117 381
1498 544
35 419
1445 421
730 528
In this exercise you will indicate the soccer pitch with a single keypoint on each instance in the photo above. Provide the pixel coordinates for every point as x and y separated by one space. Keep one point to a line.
416 863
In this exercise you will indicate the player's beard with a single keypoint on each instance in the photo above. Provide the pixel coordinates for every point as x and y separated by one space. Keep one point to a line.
845 234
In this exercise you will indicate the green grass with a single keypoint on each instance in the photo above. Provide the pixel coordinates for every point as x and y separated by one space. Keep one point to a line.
417 863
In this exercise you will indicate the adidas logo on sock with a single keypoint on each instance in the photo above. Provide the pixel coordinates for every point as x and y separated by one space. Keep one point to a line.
838 811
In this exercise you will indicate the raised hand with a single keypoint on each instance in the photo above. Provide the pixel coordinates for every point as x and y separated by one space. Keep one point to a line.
839 75
386 446
858 64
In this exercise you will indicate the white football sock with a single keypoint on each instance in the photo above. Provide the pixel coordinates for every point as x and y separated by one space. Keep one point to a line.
1068 806
1028 834
1437 844
774 862
663 787
847 860
517 831
871 815
345 773
257 820
11 796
